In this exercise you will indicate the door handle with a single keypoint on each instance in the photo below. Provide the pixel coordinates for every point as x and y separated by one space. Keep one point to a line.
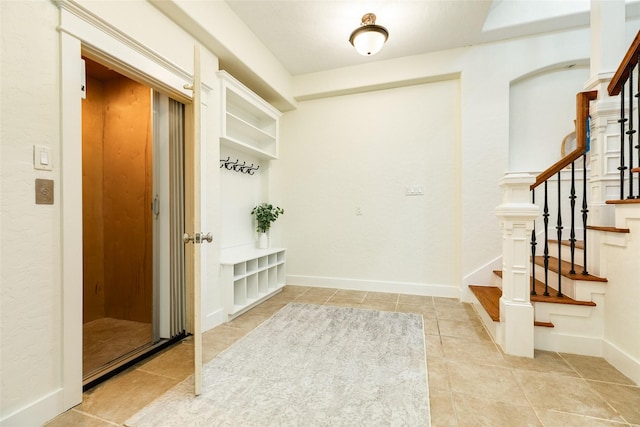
197 238
155 207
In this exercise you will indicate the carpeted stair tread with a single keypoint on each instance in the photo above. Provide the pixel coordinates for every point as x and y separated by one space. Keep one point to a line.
553 297
565 267
489 298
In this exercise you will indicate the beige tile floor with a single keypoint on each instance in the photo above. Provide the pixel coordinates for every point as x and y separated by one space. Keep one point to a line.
107 339
471 382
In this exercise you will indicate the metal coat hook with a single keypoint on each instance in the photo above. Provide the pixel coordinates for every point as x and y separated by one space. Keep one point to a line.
230 165
237 167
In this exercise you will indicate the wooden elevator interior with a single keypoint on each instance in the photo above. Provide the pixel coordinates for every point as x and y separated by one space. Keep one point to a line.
117 197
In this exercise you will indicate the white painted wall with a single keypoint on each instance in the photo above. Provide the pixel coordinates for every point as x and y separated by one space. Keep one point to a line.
239 193
486 73
31 294
34 366
542 112
360 151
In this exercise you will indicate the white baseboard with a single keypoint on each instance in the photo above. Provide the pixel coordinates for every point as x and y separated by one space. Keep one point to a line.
446 291
38 412
213 319
551 340
622 361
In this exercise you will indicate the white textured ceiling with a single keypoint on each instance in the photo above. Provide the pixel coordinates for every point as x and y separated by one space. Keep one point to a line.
312 35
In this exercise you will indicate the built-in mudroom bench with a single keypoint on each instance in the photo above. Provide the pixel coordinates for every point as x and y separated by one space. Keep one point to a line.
248 144
250 276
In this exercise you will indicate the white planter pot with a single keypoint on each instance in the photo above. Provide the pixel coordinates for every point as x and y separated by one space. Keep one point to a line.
263 241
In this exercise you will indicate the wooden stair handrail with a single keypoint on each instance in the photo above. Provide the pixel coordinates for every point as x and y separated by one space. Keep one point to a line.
628 63
582 112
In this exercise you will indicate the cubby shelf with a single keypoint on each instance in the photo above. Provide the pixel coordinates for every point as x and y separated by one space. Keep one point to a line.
250 276
249 123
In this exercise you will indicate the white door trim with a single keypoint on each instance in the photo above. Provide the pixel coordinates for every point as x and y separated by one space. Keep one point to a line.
83 31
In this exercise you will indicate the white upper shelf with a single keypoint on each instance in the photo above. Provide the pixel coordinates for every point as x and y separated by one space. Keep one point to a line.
249 123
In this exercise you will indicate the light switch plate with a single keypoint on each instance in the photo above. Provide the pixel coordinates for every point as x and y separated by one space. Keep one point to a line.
44 191
42 159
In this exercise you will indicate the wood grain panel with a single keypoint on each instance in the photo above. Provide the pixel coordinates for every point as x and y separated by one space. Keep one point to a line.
92 206
127 201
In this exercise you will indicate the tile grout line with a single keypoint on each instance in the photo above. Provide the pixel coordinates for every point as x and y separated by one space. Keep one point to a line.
595 392
87 414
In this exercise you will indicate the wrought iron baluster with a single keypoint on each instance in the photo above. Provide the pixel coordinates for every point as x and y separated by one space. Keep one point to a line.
638 111
630 131
533 248
572 234
584 211
622 122
559 230
545 215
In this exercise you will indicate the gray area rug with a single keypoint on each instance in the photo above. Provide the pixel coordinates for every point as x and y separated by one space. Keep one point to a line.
309 365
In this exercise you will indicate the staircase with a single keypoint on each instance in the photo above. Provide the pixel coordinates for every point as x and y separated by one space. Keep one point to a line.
575 321
576 304
567 305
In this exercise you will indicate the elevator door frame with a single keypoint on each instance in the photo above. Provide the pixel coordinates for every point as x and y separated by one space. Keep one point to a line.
164 301
78 37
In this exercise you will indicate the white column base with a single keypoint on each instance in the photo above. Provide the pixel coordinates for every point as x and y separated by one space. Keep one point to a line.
516 331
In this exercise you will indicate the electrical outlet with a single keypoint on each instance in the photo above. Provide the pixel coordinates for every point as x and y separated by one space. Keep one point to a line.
358 210
414 190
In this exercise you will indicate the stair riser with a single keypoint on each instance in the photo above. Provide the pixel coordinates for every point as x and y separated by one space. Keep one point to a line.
568 285
580 290
578 255
496 281
578 329
546 312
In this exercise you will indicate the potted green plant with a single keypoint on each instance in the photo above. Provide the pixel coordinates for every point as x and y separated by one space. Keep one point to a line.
265 214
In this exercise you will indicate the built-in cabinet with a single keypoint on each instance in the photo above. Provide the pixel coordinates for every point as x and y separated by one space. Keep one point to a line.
250 276
249 123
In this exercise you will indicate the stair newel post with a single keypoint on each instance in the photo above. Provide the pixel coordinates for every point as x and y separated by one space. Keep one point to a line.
545 216
572 234
533 247
559 233
517 215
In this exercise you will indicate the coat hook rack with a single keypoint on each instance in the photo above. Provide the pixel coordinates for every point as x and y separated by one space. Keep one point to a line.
237 167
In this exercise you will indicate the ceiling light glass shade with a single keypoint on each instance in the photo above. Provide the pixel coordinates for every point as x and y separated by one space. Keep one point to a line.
369 38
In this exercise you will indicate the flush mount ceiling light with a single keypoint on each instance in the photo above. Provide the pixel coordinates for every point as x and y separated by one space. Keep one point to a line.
368 38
